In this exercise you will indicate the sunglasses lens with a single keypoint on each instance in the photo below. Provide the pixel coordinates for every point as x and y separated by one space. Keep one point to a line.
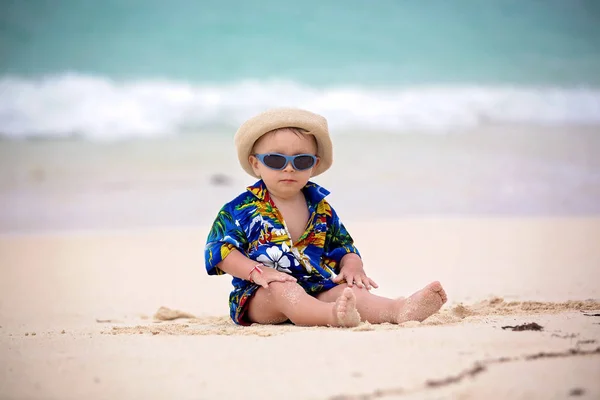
274 161
303 162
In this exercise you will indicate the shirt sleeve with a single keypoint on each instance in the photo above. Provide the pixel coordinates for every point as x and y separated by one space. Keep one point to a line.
224 236
338 242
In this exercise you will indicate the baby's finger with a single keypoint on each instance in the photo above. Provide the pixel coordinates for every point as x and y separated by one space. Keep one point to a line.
263 283
375 285
359 281
349 280
367 282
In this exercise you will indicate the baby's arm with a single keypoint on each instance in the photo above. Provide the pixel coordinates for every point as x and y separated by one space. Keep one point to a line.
340 246
242 267
222 254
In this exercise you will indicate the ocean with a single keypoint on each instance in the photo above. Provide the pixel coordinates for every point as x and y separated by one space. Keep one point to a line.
121 113
122 69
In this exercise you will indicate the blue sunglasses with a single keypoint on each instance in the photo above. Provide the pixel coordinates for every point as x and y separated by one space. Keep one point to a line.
276 161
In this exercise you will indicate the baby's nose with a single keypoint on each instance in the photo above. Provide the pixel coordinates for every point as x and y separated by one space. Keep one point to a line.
289 167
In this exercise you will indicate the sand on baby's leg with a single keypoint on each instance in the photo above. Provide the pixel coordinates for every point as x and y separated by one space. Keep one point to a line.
288 300
423 303
376 309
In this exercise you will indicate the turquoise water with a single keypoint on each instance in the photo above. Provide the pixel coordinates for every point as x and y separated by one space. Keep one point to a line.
146 68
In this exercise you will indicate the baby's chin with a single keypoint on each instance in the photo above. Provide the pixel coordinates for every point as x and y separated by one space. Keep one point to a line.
288 181
288 184
285 185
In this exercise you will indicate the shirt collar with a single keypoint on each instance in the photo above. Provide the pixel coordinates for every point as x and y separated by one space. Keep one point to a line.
313 192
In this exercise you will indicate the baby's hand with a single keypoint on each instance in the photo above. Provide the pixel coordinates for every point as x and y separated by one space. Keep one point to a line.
354 274
269 275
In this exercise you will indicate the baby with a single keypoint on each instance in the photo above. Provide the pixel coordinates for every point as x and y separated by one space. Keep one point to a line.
290 256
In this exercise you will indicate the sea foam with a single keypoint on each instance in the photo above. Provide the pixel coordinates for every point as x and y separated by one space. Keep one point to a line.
99 108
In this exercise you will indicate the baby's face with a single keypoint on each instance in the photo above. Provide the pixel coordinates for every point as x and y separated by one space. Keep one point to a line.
287 182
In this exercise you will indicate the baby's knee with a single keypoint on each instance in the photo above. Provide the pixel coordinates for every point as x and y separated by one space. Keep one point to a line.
284 287
359 292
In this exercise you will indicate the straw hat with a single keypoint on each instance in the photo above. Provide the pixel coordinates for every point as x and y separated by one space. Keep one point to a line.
277 118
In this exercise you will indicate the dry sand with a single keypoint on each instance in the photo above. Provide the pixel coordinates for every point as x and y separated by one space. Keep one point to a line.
132 314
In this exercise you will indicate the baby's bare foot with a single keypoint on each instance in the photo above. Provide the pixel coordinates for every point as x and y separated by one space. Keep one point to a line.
421 304
345 313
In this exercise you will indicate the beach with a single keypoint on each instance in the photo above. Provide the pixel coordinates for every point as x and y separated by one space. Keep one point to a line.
466 140
78 318
101 252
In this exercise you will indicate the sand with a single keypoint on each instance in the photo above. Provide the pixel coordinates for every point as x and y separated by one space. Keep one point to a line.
103 292
183 181
132 314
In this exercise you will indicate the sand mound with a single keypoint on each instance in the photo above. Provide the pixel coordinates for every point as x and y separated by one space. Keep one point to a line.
167 314
497 306
223 325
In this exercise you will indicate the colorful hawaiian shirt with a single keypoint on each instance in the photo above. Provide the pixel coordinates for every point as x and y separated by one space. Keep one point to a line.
252 224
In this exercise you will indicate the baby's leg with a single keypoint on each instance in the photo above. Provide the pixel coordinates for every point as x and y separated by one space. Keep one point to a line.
288 300
376 309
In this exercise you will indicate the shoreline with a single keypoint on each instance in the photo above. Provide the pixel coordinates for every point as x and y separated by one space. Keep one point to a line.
183 181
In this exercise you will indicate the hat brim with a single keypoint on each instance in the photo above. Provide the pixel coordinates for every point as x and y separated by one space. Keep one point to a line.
314 124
